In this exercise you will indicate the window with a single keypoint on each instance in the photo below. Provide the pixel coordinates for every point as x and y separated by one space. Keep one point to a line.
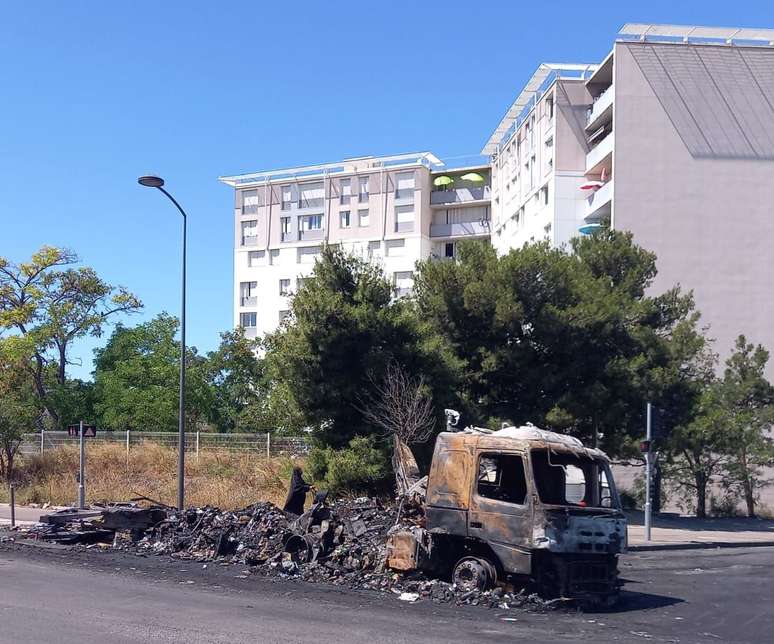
346 191
404 281
308 254
568 479
544 194
394 247
362 195
285 227
501 478
344 219
248 320
288 196
310 222
274 256
374 249
284 287
550 107
362 218
312 195
249 202
250 232
404 218
283 315
449 249
300 281
256 258
404 185
247 293
532 172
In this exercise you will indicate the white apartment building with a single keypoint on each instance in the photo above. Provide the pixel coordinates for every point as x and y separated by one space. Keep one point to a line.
671 137
393 210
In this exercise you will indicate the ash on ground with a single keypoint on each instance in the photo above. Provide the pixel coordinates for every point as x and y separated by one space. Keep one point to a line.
342 544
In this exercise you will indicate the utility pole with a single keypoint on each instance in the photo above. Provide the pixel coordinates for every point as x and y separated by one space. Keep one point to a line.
648 467
81 470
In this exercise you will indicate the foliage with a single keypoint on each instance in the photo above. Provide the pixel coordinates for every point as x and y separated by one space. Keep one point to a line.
567 340
362 466
136 379
747 401
236 376
19 406
51 303
344 330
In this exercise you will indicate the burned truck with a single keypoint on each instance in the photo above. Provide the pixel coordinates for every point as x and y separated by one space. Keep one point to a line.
518 504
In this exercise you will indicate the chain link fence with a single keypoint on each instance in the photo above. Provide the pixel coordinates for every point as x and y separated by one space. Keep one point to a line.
264 444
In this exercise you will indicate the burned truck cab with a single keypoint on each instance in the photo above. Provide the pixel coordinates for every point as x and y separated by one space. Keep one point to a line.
524 502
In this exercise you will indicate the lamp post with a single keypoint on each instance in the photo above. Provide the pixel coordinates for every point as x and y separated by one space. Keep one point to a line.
158 182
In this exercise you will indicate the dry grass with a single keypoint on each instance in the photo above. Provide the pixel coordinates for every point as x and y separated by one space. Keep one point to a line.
226 479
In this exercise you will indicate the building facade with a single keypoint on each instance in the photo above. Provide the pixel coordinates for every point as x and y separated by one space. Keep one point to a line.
393 210
671 137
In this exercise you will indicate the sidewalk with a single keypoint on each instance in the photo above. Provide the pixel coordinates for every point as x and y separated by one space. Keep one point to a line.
24 515
672 532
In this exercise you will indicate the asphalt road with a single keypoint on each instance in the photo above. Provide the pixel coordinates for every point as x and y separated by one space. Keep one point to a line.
64 595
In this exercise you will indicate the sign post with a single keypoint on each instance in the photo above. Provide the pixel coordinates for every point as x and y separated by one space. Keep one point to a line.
648 467
81 469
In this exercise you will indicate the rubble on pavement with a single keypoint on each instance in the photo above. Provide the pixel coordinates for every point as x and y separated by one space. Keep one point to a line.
342 543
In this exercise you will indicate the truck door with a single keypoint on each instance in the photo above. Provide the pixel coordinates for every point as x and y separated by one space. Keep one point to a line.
500 508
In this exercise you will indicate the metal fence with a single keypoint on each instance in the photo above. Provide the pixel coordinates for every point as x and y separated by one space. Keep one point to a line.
264 444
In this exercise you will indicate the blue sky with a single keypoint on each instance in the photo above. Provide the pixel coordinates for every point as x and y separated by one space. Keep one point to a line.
96 93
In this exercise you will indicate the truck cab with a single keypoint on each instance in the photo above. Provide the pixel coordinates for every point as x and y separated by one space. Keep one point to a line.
524 502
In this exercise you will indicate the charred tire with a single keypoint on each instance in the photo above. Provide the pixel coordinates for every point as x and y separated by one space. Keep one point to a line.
474 573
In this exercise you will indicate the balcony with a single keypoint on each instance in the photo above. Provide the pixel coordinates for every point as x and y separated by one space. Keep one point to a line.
599 203
404 226
599 154
251 240
601 111
251 300
311 204
251 332
460 195
404 195
464 229
310 235
286 237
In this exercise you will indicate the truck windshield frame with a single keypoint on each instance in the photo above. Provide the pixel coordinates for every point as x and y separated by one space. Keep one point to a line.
568 479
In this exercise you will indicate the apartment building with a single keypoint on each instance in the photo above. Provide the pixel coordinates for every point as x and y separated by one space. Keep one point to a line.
393 210
671 136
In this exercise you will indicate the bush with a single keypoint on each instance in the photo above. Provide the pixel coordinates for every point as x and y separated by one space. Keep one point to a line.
362 467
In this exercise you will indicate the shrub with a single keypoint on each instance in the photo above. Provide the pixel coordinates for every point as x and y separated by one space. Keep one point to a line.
361 467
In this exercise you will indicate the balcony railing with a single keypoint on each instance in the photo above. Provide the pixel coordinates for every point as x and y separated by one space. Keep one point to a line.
460 195
600 151
249 210
248 300
404 226
251 332
601 103
251 240
468 228
362 197
310 235
403 292
286 237
316 202
404 193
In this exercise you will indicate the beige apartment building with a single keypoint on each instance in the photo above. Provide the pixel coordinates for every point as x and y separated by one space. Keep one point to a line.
671 136
393 210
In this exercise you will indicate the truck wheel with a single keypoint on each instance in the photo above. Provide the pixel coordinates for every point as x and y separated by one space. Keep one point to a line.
474 573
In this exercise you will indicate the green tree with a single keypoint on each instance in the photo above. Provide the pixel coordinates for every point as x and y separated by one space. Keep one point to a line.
563 338
136 379
746 401
20 407
345 328
52 303
236 376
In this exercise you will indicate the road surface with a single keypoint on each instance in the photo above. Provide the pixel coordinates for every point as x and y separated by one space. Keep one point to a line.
64 595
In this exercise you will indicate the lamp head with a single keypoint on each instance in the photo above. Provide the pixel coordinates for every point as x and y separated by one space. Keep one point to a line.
150 181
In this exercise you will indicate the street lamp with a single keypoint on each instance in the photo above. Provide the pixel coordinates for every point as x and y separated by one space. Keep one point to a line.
157 182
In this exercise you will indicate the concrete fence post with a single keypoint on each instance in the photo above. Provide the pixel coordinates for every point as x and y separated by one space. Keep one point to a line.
42 434
197 445
127 448
268 444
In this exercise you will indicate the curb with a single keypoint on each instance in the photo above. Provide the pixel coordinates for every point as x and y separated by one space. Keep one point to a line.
699 545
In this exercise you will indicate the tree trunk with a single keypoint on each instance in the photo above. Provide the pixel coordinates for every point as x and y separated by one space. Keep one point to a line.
749 496
701 495
60 374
